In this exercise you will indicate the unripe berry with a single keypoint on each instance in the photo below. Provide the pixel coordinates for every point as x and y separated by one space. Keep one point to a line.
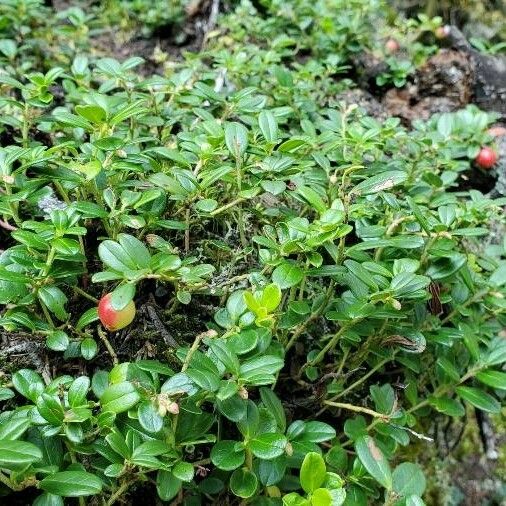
113 319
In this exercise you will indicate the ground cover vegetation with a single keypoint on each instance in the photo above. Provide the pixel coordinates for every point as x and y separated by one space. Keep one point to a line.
222 282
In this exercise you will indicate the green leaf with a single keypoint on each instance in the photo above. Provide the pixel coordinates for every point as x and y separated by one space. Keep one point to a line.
243 342
49 406
119 397
204 379
312 198
54 299
72 120
18 454
294 499
6 393
226 456
114 256
287 275
479 399
316 432
383 397
444 127
46 499
271 472
78 391
14 428
268 126
28 383
183 471
243 483
265 365
57 340
149 418
271 401
236 138
89 348
408 479
321 497
312 472
271 297
72 484
225 355
494 379
448 406
374 461
117 442
128 111
447 366
92 113
274 187
380 182
414 500
206 205
268 446
234 408
167 485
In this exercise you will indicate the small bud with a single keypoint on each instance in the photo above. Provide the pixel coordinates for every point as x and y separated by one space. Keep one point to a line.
396 304
243 393
442 32
333 179
162 410
173 408
8 179
289 449
392 46
121 153
211 333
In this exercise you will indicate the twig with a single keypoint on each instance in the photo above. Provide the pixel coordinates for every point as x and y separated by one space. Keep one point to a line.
119 492
194 347
155 320
7 226
358 409
86 295
378 366
411 431
108 345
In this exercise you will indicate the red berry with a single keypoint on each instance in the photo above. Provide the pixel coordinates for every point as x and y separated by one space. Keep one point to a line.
113 319
392 46
486 158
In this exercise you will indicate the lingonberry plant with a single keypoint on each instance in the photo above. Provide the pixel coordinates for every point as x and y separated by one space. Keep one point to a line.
310 285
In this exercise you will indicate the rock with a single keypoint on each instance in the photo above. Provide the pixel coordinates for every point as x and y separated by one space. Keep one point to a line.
489 74
365 101
443 84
